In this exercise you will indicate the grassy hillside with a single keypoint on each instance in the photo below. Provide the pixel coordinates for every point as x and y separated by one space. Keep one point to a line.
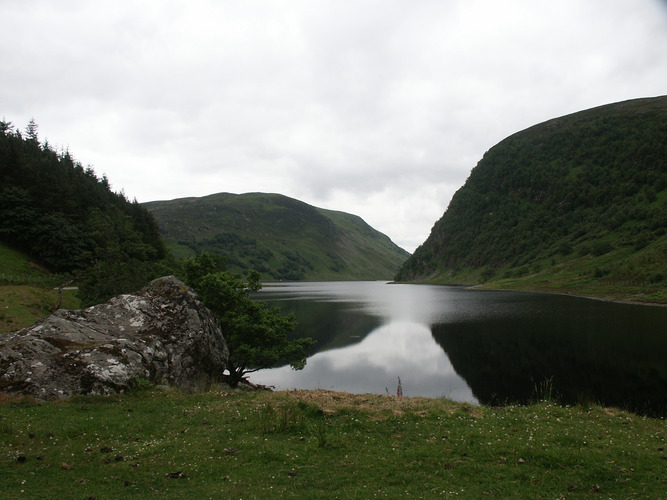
281 237
322 444
27 291
576 204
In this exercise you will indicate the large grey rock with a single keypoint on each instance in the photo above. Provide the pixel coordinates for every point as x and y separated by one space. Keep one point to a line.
163 333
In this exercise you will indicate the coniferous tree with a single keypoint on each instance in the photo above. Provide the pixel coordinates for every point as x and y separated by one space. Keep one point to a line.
31 131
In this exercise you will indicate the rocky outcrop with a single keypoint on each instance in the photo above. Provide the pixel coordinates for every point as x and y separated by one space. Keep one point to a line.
162 333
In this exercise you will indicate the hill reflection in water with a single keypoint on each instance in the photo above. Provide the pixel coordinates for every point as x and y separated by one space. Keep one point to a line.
470 345
398 349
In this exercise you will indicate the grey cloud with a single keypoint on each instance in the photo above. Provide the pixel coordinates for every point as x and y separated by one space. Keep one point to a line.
374 104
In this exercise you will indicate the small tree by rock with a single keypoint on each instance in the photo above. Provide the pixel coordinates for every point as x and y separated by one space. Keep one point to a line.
256 334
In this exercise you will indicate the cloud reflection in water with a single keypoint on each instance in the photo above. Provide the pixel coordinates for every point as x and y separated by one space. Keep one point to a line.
404 349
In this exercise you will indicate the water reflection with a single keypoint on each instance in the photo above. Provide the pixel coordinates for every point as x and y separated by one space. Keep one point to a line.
578 352
471 345
400 349
368 334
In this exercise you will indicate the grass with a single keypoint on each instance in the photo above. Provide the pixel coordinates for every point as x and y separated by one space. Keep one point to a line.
15 263
27 291
578 278
618 275
23 305
322 444
619 292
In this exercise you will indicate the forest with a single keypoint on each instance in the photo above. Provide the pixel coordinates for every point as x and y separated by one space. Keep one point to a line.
68 220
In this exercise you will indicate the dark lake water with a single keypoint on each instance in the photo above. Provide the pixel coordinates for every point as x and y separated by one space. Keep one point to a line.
487 347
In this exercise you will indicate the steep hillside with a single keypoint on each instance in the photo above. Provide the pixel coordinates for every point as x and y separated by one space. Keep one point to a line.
68 220
578 201
281 237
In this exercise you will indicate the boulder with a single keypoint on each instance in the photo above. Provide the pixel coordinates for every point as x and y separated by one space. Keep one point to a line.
162 333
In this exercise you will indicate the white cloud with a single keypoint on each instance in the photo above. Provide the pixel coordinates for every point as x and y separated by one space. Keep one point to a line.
378 108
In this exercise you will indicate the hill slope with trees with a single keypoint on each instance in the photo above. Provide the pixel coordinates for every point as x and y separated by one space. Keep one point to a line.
282 238
577 203
68 220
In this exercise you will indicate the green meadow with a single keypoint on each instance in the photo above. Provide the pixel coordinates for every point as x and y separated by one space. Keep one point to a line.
162 443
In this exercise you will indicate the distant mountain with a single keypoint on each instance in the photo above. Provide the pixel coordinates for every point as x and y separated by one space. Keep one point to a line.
283 238
579 200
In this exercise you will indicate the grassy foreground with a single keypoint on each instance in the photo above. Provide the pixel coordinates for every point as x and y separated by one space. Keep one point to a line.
322 444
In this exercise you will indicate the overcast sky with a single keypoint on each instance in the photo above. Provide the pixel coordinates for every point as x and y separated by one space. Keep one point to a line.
375 107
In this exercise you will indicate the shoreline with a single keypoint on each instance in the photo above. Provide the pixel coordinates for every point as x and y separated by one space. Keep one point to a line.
568 294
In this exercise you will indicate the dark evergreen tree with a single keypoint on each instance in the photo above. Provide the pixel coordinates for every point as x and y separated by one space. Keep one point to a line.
31 131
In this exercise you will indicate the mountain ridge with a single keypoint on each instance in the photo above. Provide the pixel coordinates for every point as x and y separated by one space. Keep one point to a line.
282 237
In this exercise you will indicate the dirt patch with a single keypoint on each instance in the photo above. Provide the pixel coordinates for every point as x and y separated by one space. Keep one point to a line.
333 401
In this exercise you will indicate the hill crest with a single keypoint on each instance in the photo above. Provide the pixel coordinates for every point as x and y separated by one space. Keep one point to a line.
282 237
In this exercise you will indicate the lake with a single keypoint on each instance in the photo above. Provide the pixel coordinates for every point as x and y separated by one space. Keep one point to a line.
484 347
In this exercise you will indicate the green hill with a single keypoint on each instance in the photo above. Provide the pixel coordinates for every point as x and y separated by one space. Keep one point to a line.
578 204
281 237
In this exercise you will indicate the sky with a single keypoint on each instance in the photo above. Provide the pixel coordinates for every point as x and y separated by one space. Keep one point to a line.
379 108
